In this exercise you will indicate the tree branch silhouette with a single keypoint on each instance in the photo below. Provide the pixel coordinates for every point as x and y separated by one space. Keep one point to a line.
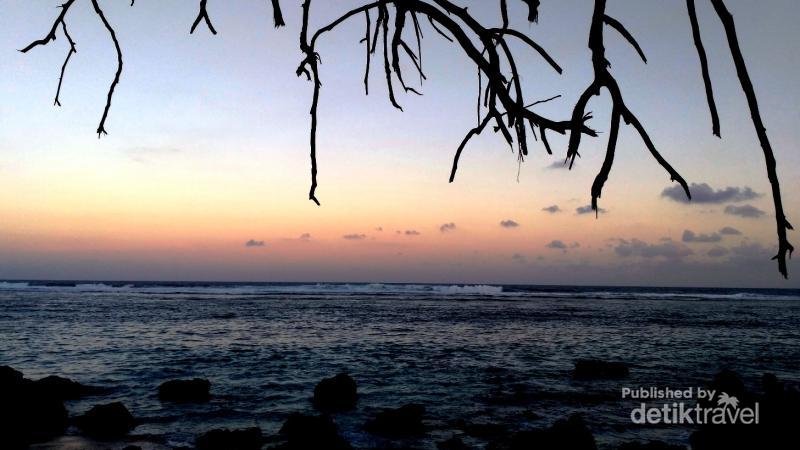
501 100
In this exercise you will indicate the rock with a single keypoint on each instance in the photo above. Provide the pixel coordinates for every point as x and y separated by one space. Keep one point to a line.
61 388
652 445
131 447
454 443
27 415
106 421
595 369
225 439
336 394
401 422
196 390
312 432
571 433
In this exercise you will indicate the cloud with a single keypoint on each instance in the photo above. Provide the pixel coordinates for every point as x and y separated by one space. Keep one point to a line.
508 224
445 227
254 243
412 233
580 210
718 252
730 231
519 258
748 211
557 245
378 228
552 209
558 165
305 237
354 237
667 249
691 236
703 193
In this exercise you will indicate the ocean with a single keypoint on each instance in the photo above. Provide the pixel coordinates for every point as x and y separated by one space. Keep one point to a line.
471 354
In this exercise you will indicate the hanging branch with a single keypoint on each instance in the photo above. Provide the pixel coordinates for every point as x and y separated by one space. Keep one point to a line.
784 247
101 127
51 36
203 15
701 53
604 79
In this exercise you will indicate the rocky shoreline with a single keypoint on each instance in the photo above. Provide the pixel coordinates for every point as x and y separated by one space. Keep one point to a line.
33 415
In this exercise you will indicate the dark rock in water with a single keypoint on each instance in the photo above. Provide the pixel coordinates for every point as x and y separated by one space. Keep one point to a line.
9 376
224 439
454 443
185 391
652 445
777 410
336 394
107 421
401 422
595 369
304 432
27 415
571 433
131 447
61 388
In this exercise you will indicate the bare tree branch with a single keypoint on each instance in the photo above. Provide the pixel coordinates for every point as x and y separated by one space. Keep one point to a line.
101 127
66 61
203 15
784 247
701 53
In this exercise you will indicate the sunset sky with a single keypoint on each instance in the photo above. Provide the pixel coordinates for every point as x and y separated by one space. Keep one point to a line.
204 174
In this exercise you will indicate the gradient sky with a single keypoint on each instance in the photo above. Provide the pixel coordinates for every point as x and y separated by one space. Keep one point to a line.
208 149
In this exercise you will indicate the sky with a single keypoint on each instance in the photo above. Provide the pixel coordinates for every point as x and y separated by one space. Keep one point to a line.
204 174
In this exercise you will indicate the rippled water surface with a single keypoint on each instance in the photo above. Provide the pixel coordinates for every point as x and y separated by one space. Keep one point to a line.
482 354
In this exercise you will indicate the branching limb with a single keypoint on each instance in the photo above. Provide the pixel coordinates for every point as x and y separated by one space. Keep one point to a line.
613 23
203 15
277 15
602 176
784 247
51 35
66 61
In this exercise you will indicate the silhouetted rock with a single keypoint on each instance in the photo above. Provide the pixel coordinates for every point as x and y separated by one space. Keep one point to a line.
595 369
338 393
399 422
652 445
131 447
61 388
778 417
304 432
27 415
571 433
224 439
106 421
196 390
484 430
454 443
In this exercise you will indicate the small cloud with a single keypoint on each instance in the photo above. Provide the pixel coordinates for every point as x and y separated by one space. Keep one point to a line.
668 249
305 237
445 227
254 243
519 258
552 209
748 211
412 233
729 231
691 236
718 252
354 237
703 193
378 228
588 210
557 245
576 245
508 224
